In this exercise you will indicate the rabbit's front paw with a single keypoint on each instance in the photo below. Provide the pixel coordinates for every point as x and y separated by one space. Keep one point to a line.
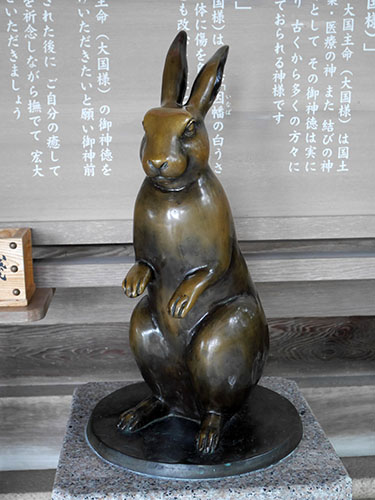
179 306
182 300
136 280
187 293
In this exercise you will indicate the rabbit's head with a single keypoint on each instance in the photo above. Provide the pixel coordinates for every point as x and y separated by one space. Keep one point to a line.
175 147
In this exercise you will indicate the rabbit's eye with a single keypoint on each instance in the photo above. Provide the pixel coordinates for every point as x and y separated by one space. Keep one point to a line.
190 129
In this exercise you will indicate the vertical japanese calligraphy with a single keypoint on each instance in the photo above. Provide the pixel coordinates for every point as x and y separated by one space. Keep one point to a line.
31 32
320 82
13 39
87 109
50 64
103 86
3 268
290 130
95 76
369 27
206 30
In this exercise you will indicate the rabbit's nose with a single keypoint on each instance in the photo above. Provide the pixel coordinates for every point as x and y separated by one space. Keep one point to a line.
159 164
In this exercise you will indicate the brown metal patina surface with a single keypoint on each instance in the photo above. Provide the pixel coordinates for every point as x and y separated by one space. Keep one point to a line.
199 336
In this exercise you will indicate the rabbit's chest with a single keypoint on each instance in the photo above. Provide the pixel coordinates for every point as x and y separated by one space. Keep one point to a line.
175 238
172 234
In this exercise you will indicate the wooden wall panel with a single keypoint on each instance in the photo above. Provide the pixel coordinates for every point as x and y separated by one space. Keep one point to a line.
280 300
120 231
81 272
255 164
364 247
42 422
77 353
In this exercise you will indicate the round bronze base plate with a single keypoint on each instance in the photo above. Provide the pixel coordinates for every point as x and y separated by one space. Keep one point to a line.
267 429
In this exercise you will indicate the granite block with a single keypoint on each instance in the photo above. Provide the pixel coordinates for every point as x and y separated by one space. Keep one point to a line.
312 471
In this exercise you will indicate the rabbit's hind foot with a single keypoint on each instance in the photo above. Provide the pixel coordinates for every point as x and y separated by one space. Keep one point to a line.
209 434
146 412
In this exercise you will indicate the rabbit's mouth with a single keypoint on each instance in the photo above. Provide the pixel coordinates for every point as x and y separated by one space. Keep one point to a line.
166 172
159 177
170 183
165 181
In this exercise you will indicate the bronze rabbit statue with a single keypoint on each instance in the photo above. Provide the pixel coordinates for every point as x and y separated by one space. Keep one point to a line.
199 337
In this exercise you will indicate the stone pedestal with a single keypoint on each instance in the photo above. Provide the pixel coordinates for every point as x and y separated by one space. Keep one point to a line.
312 471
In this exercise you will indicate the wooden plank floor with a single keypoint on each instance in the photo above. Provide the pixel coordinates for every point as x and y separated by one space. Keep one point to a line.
85 338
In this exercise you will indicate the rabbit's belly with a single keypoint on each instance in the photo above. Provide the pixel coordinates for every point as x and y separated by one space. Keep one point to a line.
164 285
160 296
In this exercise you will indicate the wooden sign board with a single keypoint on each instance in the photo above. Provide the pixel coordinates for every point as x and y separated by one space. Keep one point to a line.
16 267
291 131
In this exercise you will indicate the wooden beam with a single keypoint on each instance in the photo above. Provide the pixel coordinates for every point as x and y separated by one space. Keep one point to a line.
280 300
110 271
248 228
362 472
40 424
347 417
27 484
361 247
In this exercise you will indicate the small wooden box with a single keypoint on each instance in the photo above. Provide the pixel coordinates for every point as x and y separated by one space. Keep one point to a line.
16 267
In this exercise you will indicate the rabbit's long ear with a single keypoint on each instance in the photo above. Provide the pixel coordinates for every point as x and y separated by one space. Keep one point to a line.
207 83
175 72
